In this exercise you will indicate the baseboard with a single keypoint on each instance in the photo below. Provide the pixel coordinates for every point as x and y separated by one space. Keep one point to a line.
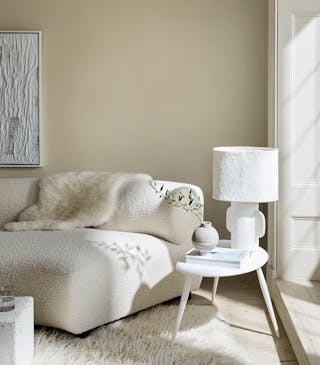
271 275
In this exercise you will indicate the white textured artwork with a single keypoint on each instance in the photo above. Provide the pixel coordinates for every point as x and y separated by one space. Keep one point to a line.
20 86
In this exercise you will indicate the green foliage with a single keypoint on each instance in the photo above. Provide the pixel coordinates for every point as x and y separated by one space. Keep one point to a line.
189 202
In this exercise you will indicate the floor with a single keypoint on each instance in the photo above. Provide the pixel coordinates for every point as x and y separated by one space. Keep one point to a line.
299 303
240 301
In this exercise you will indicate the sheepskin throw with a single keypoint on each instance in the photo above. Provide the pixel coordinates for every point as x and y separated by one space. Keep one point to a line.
145 339
74 199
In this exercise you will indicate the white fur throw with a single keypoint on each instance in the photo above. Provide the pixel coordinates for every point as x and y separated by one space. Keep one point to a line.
74 199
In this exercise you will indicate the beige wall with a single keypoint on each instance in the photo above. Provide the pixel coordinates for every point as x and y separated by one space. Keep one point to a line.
147 85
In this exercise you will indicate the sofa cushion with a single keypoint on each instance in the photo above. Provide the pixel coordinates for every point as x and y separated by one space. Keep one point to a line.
168 210
141 208
82 278
16 194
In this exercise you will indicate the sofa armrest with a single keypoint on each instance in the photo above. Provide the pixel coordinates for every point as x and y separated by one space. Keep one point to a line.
166 209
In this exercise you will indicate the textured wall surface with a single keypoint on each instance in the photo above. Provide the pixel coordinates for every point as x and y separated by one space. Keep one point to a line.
19 99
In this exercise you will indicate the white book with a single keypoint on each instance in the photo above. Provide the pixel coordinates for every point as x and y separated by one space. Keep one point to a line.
220 256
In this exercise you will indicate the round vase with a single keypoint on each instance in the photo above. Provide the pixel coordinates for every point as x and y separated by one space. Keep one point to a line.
205 238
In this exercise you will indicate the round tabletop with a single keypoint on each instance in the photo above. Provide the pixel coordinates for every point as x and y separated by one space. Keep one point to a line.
257 259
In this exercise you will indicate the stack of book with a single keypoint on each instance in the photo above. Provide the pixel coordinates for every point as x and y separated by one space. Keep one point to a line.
220 256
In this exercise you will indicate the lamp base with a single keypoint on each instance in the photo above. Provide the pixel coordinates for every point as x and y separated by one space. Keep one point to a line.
246 224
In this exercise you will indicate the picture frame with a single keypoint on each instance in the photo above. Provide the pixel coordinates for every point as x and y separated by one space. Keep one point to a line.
21 99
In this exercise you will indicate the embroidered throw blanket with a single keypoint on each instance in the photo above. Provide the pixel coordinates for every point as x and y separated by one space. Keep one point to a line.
74 200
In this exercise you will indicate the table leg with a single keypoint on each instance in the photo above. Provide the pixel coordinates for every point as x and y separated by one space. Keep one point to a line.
182 306
267 299
215 287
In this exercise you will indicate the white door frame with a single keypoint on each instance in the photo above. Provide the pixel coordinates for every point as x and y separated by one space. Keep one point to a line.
304 266
272 132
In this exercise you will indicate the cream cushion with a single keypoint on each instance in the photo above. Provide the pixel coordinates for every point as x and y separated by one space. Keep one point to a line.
140 204
16 195
141 207
83 278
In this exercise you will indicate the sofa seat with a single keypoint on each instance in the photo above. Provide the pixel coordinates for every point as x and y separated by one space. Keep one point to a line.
83 278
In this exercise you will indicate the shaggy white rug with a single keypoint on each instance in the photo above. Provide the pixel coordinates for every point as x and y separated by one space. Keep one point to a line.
144 339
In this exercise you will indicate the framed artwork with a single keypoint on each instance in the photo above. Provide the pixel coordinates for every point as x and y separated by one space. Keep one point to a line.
20 98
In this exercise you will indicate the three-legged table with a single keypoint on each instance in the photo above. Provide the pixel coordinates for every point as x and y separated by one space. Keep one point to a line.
255 263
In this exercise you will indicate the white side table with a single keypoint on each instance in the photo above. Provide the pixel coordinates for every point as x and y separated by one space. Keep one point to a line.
17 333
257 260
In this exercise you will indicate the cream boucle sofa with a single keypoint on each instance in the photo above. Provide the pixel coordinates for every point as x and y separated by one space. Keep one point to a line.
83 278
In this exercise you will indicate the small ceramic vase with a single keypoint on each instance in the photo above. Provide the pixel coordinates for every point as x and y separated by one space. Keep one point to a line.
205 238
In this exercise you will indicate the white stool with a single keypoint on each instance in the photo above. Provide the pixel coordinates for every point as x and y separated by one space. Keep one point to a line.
17 333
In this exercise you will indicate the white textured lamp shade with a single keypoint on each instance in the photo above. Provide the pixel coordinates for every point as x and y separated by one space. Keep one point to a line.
245 174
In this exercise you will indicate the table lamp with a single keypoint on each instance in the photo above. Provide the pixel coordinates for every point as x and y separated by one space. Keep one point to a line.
245 176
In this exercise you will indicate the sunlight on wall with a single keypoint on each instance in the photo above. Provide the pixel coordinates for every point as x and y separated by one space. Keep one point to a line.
147 86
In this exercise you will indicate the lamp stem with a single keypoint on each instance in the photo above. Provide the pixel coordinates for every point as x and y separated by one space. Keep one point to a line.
246 224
